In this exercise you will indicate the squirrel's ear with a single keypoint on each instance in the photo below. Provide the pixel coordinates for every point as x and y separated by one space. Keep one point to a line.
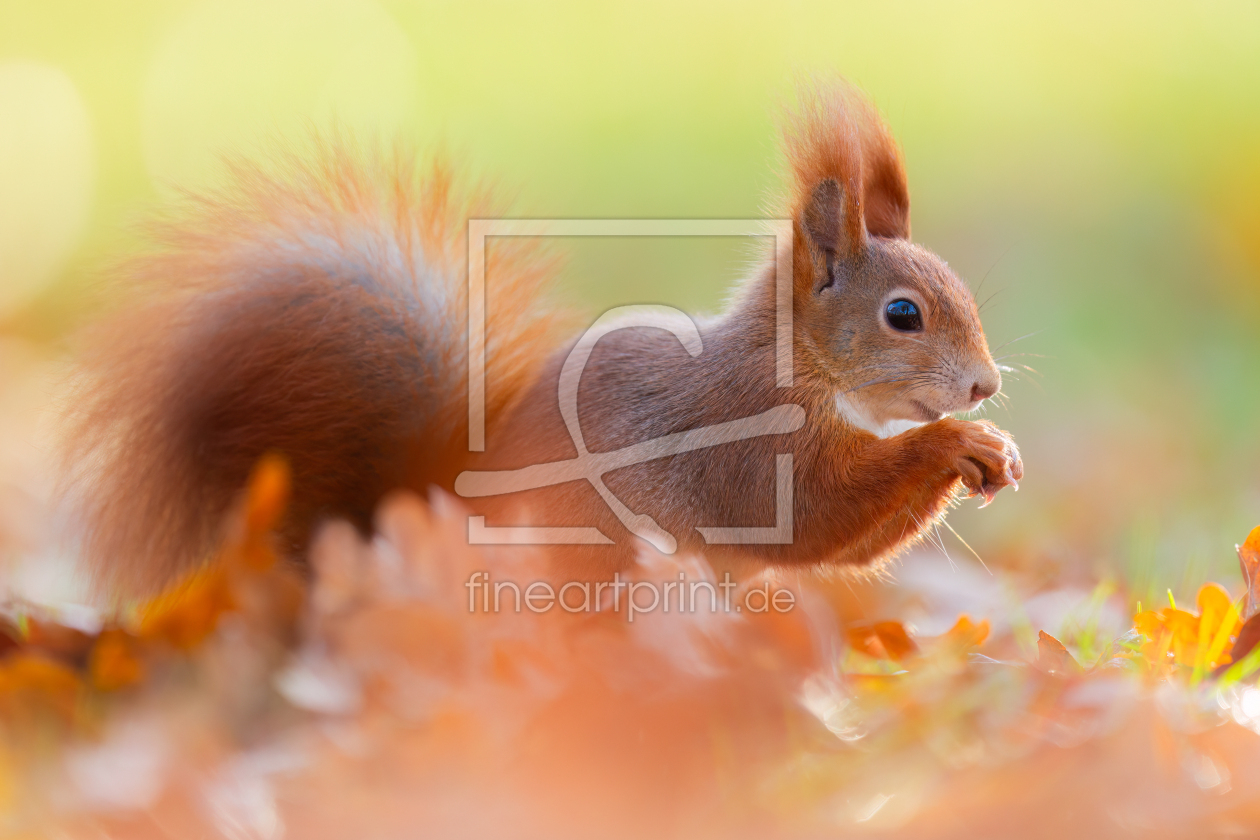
828 237
885 196
848 179
822 215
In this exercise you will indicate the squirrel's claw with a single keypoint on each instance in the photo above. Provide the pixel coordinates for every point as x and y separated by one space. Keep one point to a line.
989 461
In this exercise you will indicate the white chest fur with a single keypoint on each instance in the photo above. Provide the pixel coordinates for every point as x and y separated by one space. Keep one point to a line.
855 416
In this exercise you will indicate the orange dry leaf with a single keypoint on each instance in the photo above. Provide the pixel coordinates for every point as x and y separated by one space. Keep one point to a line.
882 640
1219 622
10 636
1054 658
792 642
1248 637
268 493
1249 560
266 498
31 682
1178 624
1193 645
966 634
114 662
185 614
56 640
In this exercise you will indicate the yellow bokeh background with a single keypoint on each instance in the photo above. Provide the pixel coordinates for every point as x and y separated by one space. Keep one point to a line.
1097 166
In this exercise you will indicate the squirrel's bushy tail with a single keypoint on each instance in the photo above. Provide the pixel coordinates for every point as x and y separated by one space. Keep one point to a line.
316 307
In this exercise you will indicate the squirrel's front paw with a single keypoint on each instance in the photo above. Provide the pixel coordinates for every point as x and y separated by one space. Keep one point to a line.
988 459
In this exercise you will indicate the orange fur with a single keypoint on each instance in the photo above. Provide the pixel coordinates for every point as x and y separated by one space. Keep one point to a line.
319 310
316 307
858 497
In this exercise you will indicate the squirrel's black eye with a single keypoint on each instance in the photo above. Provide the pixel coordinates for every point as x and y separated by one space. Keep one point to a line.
904 315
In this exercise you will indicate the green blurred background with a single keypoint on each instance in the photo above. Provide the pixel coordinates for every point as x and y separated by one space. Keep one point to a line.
1096 165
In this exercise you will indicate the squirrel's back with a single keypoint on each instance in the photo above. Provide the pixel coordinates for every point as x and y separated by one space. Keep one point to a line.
315 306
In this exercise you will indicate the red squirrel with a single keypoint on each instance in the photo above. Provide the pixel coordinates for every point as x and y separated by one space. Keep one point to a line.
318 308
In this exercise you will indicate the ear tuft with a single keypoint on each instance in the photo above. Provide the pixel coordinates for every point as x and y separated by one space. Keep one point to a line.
886 197
835 134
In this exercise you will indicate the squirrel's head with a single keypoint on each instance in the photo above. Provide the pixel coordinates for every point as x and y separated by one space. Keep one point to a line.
883 321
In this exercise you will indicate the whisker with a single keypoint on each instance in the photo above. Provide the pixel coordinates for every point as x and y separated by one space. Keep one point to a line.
969 548
1013 340
940 542
1013 374
1025 368
870 382
1001 257
921 375
988 300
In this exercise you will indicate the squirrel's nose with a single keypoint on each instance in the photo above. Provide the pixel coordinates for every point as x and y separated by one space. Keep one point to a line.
983 390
